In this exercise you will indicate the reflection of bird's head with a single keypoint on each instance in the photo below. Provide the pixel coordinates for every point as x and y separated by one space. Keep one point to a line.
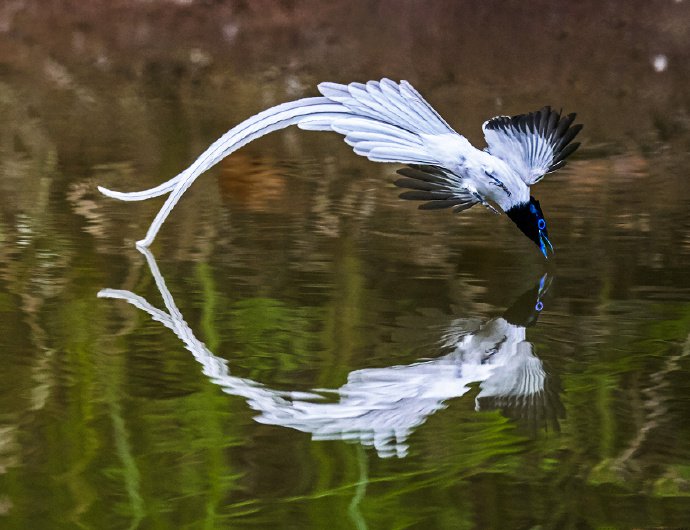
525 310
529 218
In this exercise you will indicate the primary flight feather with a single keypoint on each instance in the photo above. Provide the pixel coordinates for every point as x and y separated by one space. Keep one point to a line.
391 122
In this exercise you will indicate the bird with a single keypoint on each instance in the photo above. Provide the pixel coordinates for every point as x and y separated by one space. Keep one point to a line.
386 121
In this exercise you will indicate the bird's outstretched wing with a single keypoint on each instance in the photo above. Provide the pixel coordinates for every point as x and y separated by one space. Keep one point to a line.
387 121
440 188
534 144
392 122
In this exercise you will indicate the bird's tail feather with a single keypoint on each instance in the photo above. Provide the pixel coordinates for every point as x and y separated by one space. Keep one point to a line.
272 119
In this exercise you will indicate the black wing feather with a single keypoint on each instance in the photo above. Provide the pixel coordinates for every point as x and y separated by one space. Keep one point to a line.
540 140
434 185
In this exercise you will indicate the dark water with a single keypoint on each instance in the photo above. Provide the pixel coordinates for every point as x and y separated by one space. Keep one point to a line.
301 349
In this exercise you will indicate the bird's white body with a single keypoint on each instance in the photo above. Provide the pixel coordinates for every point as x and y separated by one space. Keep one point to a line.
391 122
472 165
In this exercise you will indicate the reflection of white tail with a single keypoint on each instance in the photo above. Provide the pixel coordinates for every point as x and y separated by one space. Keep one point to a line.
377 406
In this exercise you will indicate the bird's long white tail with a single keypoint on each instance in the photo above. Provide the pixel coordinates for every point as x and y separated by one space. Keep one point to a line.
278 117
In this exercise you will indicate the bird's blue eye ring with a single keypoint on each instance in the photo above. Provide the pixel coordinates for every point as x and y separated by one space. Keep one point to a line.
539 306
541 224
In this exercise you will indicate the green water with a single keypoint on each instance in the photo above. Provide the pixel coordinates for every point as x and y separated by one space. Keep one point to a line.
296 350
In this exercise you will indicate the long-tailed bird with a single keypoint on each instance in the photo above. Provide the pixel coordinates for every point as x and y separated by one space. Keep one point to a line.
391 122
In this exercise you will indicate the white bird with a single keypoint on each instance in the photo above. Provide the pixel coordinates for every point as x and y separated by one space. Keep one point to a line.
391 122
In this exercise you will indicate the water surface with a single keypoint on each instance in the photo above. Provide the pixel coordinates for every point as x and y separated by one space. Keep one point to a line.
302 349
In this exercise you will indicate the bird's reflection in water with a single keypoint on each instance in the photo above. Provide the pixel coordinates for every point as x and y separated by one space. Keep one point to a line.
380 407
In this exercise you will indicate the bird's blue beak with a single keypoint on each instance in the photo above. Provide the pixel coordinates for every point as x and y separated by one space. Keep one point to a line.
545 245
544 285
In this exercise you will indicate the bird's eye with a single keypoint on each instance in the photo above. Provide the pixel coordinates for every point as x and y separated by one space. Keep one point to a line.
541 224
539 306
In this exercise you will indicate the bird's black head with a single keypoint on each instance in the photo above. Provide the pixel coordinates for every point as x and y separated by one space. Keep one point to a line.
526 309
530 219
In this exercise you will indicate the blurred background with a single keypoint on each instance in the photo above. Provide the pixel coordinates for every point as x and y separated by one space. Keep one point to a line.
297 266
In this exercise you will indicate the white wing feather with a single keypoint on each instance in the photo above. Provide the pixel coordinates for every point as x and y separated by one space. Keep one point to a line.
387 122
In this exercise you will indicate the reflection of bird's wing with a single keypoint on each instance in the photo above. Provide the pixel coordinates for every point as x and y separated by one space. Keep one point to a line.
520 376
523 390
534 144
430 333
377 406
391 122
495 353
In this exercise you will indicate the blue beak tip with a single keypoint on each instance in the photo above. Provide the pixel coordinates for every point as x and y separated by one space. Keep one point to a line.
546 247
